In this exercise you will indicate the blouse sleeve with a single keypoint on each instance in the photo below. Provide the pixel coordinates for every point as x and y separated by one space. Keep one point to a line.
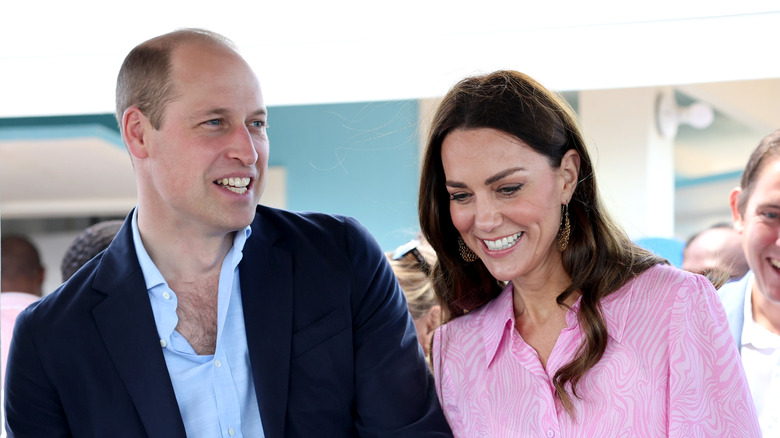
708 392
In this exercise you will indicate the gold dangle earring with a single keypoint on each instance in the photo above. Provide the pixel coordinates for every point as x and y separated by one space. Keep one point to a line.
465 252
565 230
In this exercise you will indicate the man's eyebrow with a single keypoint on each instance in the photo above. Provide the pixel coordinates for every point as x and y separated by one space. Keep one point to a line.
222 111
768 205
260 112
501 175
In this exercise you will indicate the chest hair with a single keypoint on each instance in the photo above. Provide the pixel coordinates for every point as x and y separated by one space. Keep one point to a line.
197 312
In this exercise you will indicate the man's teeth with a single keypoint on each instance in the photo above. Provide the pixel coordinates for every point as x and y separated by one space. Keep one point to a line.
775 263
236 185
504 243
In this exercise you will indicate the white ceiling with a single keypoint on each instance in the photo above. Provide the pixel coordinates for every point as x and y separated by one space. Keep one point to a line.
61 58
66 177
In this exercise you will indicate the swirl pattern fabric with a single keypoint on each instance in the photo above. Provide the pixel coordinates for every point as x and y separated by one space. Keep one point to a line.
671 369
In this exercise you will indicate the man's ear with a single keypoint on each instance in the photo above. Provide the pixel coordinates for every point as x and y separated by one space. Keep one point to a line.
570 168
736 215
134 128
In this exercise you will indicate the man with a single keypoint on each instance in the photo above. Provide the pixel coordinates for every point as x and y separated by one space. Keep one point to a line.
716 249
209 315
89 243
21 280
21 269
753 303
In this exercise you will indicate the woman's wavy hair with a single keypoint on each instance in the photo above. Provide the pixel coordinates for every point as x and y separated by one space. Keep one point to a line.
599 258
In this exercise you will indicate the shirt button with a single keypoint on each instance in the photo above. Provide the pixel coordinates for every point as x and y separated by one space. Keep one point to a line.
166 295
231 431
163 344
550 433
218 364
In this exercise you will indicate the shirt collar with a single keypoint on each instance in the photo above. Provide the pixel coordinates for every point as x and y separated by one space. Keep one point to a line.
753 334
747 308
498 316
152 275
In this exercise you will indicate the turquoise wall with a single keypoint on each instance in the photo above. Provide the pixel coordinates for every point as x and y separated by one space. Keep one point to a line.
357 159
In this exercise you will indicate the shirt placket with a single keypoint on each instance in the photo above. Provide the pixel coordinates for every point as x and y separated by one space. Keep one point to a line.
529 359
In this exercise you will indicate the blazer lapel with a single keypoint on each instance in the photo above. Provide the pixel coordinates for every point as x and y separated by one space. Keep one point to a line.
266 287
126 324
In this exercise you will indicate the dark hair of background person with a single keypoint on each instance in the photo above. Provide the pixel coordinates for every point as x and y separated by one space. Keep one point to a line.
600 257
768 148
21 267
87 245
145 76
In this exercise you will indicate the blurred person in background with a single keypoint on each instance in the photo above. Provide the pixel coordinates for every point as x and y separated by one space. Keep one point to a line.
412 263
87 245
21 280
716 249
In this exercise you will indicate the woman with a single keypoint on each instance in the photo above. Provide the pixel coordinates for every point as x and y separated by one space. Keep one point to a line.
559 325
412 263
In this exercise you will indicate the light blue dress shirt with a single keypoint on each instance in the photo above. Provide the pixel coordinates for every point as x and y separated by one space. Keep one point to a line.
215 393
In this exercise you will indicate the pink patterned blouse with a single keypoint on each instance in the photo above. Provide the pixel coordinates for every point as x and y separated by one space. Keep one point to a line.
671 369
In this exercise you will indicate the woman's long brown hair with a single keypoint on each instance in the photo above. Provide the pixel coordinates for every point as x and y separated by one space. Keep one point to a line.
600 257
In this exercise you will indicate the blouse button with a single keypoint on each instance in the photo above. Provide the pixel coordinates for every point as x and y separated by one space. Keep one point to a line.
550 433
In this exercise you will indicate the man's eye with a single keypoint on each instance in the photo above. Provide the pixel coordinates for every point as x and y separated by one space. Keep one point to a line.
213 122
259 124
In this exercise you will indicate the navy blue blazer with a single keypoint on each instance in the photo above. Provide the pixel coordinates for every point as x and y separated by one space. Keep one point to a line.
332 347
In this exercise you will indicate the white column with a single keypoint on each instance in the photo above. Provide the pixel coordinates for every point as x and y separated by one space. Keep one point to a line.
634 164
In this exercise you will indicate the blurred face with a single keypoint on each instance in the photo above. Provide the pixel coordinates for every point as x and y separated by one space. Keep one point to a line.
760 228
205 166
426 325
505 200
716 249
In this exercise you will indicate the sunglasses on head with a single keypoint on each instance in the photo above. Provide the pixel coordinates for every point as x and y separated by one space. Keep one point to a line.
410 247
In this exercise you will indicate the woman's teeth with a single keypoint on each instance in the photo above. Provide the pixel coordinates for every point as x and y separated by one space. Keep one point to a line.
504 243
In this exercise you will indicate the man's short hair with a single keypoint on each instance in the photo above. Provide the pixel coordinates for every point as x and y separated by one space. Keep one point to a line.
87 245
144 79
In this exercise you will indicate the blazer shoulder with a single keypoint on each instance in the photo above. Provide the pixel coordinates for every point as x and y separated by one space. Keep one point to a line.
302 219
274 223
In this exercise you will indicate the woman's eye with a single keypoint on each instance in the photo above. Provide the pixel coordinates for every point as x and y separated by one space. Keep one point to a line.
458 197
510 190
